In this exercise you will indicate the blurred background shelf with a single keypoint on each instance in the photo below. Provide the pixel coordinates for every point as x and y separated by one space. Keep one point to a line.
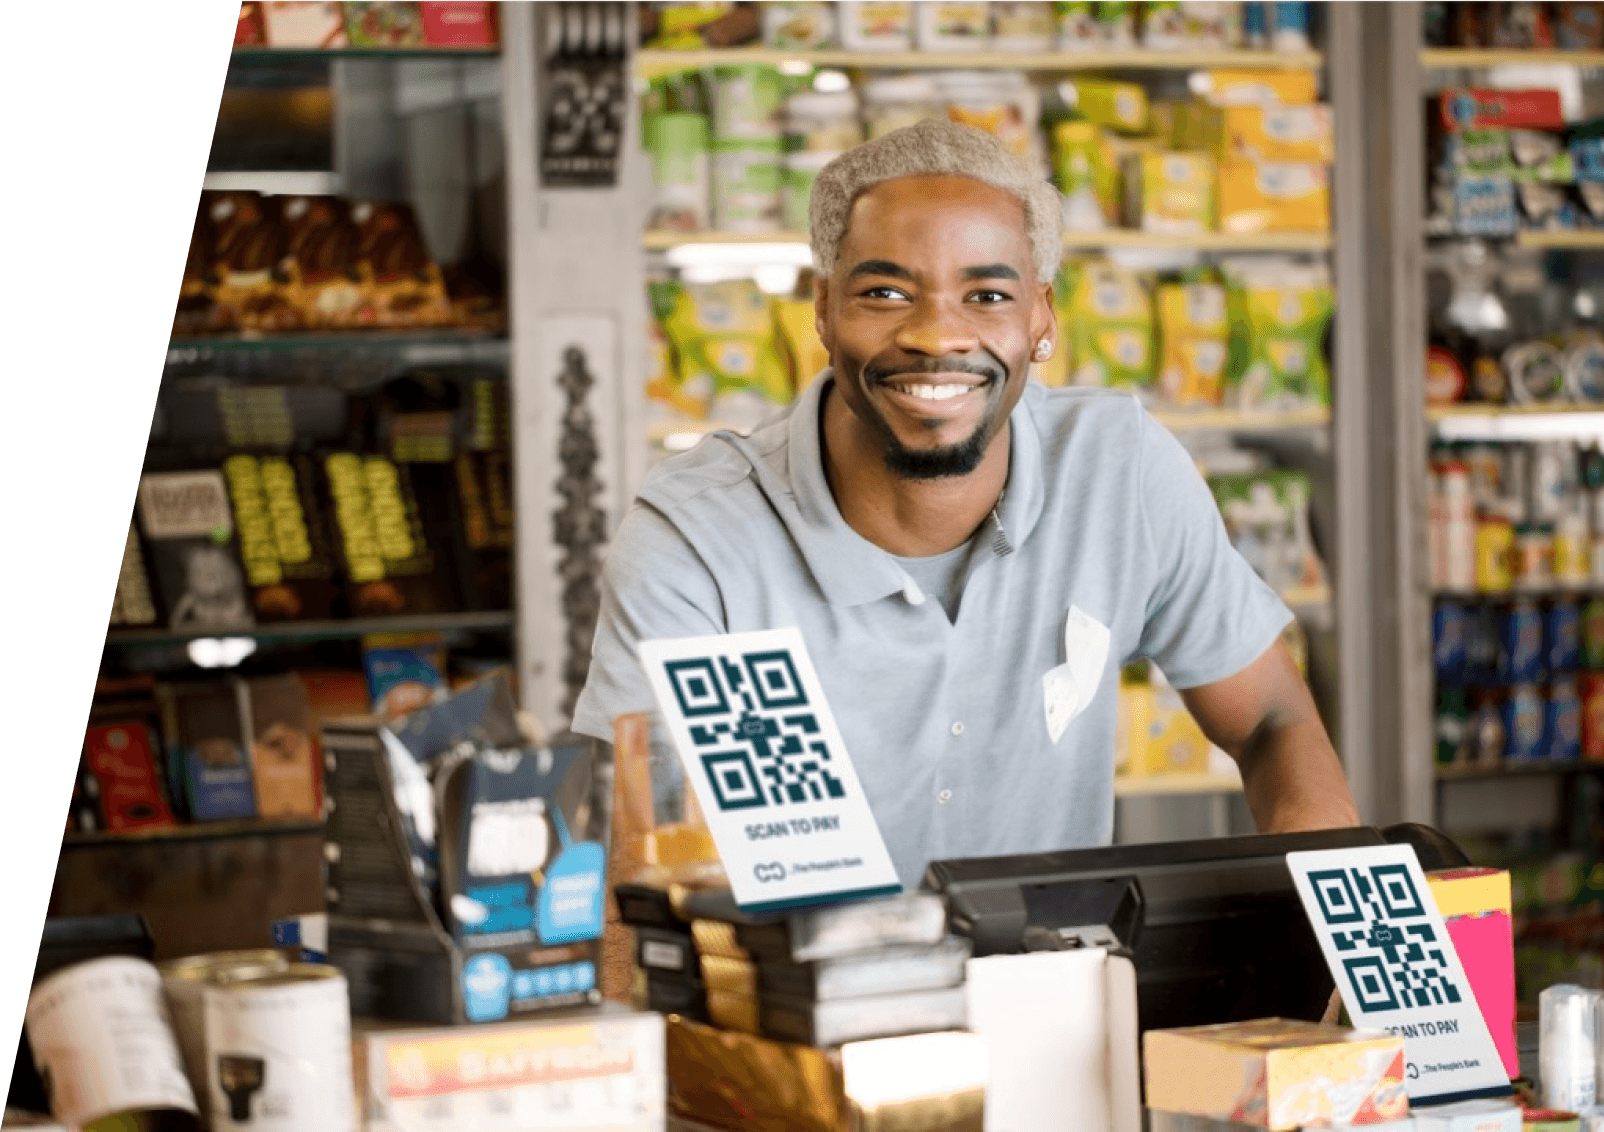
1170 785
651 61
320 630
1516 422
1451 58
1580 240
298 54
1109 238
210 831
1515 770
417 347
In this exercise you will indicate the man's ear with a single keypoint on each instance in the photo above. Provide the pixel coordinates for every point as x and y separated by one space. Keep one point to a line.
821 317
1045 324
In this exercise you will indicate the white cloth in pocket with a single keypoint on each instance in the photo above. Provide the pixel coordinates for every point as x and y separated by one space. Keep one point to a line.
1068 689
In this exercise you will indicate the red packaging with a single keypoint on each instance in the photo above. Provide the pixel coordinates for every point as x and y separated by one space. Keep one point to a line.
120 757
1593 717
250 31
1445 377
1476 108
460 25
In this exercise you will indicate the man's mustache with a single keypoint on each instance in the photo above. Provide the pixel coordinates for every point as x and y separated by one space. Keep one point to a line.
879 374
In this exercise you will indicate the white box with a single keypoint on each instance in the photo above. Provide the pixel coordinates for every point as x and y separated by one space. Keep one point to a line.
588 1071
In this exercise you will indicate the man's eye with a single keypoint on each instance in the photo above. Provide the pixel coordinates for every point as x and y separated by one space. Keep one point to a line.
991 297
883 293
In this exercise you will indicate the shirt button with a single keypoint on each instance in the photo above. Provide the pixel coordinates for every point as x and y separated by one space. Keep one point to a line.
958 728
945 796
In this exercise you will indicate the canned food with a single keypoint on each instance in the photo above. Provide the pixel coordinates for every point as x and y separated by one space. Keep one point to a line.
1521 638
1495 552
185 980
1534 557
1593 717
1562 723
1536 372
1562 638
1524 717
279 1051
1449 629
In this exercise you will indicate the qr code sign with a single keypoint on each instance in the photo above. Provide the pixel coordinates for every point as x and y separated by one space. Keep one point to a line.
754 729
1384 936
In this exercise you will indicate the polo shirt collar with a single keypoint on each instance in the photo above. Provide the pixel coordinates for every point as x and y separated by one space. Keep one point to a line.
850 569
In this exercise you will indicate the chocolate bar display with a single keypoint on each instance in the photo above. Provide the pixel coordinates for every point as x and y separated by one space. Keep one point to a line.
133 603
121 757
282 537
283 745
388 562
190 531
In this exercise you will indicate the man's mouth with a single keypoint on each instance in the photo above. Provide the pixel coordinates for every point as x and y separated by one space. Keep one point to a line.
930 391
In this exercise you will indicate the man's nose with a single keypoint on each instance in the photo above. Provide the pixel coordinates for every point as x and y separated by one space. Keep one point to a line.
935 330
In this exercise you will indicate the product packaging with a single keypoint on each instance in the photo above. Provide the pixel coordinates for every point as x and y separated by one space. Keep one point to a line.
1118 106
1469 1116
1025 26
404 286
460 24
943 26
1476 908
189 529
383 24
746 186
404 673
133 603
122 758
798 25
286 765
209 747
724 334
1170 193
321 263
700 23
1263 196
1156 734
388 564
1481 109
247 247
1076 25
282 537
871 25
1110 327
1272 1072
1279 133
251 29
682 190
1194 342
316 26
1293 87
1088 176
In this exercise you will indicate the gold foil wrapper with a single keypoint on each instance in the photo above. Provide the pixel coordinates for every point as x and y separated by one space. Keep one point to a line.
735 1082
729 976
733 1011
717 939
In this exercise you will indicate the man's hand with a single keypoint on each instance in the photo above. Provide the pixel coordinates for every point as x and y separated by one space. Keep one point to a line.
1265 719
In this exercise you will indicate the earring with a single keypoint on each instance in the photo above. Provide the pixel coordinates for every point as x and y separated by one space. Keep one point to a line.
1044 350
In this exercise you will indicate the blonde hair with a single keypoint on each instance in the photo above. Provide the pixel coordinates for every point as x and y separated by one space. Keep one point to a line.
933 147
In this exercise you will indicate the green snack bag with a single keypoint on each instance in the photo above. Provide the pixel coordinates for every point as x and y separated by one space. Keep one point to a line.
724 334
1285 310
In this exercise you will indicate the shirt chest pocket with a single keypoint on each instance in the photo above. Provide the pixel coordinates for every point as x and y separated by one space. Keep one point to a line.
1069 688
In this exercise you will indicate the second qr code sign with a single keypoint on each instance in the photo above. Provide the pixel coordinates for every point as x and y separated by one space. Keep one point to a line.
1396 969
770 769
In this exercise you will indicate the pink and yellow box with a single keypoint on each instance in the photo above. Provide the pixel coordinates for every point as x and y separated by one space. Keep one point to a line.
1475 905
1277 1073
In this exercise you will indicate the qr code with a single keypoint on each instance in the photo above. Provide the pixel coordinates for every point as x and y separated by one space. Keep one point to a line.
754 729
1376 920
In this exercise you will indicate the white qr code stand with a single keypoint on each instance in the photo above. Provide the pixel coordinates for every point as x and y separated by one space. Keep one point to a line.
1396 969
770 769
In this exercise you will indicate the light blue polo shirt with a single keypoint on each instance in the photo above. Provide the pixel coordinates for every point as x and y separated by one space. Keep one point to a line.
946 720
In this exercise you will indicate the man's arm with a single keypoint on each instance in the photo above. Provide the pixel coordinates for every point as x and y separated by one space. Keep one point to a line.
1265 719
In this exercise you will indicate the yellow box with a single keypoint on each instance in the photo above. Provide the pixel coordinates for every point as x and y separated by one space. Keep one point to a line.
1248 88
1119 106
1274 196
1157 734
1194 332
1470 892
1277 1073
1279 133
1169 192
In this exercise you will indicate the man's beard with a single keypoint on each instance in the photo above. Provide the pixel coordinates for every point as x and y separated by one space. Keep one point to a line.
939 463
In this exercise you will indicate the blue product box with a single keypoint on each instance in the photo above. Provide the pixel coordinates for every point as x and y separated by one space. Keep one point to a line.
1485 206
1587 156
1525 714
1562 638
1562 725
1521 639
1451 625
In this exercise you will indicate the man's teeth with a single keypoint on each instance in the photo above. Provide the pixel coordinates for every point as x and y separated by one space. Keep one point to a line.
935 392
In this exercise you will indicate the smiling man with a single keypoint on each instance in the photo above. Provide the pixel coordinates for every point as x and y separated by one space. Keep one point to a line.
970 557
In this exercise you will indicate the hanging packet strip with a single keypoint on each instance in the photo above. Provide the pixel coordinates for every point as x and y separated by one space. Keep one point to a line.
770 769
1396 968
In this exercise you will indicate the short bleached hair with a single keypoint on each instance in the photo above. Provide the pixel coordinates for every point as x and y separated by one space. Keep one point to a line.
933 147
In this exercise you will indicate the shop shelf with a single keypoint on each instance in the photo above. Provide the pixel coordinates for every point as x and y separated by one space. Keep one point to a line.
199 831
1576 239
319 630
1514 770
1459 58
1517 422
652 61
417 346
1168 785
297 55
1108 238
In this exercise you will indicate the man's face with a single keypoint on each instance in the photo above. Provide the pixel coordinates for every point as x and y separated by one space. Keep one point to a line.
931 316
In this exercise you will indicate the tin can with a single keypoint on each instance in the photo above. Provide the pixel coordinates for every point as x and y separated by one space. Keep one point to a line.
1562 638
100 1036
1453 726
1495 551
1486 740
1449 628
1521 640
1593 717
279 1051
1524 712
1534 557
185 980
1562 723
1593 633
